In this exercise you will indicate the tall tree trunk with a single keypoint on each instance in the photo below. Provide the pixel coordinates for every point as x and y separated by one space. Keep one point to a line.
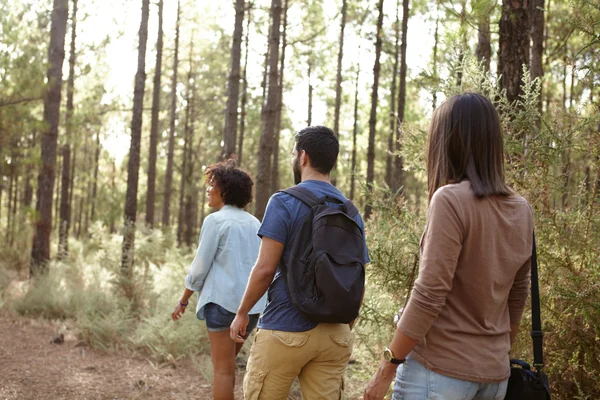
513 50
373 115
40 252
202 206
265 80
355 130
572 87
134 149
113 188
537 38
338 84
166 213
65 206
56 200
95 184
11 185
484 45
436 38
310 93
187 152
244 92
463 42
151 193
389 158
275 179
233 90
398 185
269 113
72 182
15 202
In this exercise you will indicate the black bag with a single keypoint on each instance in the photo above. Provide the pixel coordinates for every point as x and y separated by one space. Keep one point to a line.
525 383
325 271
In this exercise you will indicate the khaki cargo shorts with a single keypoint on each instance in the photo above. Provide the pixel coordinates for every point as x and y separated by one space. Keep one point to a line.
317 357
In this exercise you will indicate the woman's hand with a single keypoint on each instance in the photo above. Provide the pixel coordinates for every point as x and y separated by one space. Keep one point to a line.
379 384
237 330
178 312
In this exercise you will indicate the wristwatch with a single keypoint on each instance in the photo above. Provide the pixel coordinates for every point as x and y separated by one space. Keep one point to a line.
389 357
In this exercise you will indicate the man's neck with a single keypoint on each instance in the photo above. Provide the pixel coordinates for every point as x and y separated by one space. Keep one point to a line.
316 176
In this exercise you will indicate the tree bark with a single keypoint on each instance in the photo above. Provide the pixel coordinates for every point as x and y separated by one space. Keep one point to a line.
389 158
275 179
537 38
40 252
233 90
244 93
11 185
513 50
134 149
310 93
435 55
151 193
65 206
484 46
263 190
373 115
166 213
187 144
338 84
72 183
95 182
15 202
463 42
398 185
355 130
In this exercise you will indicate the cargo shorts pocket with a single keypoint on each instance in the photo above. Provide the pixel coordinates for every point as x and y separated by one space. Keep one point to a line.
253 383
344 339
290 339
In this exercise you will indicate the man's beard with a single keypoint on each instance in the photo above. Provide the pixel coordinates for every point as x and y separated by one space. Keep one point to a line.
297 172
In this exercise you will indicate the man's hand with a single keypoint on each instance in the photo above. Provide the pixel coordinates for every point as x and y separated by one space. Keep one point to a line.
379 384
237 330
178 312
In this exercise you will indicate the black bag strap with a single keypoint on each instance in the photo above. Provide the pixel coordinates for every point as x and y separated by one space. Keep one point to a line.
304 195
308 198
537 335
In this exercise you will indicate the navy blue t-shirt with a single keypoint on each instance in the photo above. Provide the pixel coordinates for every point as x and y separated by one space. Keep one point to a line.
284 216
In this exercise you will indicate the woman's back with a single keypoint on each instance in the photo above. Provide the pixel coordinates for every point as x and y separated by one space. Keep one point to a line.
474 277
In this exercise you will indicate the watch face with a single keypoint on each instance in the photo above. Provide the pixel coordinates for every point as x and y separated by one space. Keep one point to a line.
387 355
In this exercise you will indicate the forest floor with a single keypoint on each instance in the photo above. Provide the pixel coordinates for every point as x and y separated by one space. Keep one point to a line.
33 367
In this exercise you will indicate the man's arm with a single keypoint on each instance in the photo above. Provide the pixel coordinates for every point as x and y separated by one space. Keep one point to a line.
260 279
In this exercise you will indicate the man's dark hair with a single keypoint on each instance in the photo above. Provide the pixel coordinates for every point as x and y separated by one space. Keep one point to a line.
321 145
234 184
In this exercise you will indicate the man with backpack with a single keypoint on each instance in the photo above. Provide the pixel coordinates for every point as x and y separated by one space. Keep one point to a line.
311 260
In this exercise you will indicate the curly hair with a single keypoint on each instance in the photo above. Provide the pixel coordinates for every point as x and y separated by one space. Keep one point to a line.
234 183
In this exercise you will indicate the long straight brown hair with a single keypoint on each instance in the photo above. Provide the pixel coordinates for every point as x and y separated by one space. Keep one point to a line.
465 143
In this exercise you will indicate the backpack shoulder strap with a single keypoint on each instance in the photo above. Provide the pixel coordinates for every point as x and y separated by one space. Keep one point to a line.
303 194
351 209
536 322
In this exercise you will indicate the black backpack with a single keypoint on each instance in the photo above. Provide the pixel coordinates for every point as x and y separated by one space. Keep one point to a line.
325 270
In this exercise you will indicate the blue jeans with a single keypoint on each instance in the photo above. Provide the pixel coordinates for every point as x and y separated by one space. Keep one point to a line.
415 382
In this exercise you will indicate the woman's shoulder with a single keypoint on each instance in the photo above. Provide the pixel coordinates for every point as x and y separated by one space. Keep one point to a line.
454 192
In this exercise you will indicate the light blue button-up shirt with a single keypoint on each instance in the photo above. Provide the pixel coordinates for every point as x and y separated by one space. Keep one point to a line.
227 251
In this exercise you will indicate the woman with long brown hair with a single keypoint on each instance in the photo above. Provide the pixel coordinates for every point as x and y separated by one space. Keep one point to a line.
453 338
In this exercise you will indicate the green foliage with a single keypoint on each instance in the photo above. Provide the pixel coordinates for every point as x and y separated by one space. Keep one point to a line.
86 290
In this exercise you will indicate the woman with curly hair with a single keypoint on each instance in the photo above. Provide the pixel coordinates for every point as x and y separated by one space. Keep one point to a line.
226 253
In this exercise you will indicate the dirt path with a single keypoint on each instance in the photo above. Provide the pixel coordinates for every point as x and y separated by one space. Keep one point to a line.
31 367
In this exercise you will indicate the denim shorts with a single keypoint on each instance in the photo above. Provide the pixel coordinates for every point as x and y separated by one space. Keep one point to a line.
219 319
415 382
